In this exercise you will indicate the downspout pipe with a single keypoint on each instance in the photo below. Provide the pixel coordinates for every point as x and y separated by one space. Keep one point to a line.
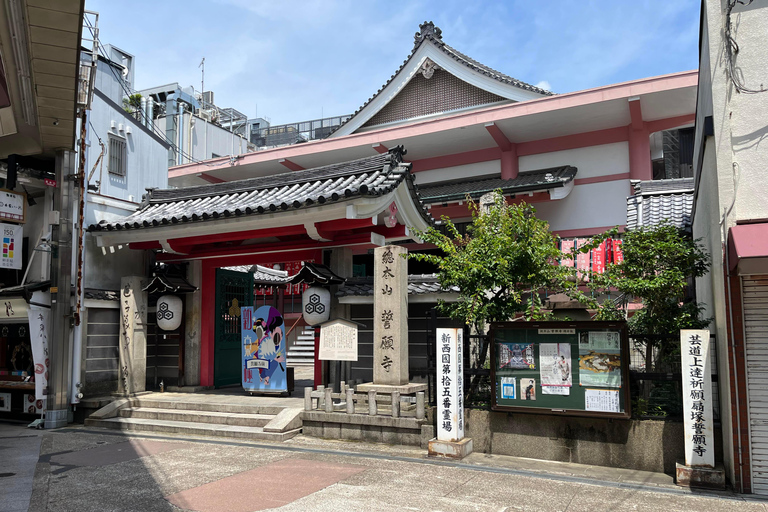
143 114
180 127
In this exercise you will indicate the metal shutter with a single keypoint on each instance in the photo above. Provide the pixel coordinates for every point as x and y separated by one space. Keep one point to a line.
755 303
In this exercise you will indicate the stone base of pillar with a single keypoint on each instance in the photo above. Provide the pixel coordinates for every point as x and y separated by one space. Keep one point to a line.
450 449
697 476
56 418
385 389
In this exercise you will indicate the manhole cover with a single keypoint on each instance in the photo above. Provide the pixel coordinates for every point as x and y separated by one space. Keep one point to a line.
2 475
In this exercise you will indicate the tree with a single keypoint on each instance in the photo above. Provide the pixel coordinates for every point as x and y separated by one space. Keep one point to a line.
499 266
132 104
658 263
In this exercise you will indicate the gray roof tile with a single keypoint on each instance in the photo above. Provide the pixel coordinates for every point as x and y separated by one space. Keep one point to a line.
372 176
526 181
661 200
418 284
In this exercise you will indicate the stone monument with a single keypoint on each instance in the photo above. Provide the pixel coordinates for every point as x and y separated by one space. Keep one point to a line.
699 469
390 323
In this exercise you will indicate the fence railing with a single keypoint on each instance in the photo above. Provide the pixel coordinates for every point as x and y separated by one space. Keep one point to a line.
349 402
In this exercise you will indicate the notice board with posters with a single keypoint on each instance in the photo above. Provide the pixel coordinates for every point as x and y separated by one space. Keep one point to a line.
563 368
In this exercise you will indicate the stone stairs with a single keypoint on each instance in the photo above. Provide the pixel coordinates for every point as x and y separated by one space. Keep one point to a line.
302 353
203 418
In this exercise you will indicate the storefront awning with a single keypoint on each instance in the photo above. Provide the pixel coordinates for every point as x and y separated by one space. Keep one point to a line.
748 248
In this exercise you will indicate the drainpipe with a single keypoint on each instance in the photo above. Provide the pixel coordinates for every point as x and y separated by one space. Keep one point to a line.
192 122
180 125
148 112
143 115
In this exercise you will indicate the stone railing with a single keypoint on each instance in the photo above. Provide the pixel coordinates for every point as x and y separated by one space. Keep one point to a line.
350 402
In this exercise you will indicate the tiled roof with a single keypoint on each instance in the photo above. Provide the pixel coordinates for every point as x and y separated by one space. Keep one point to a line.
526 181
165 283
433 35
372 176
417 285
316 273
95 294
263 275
661 200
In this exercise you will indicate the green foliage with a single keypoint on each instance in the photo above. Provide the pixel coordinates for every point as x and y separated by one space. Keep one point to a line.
505 258
132 103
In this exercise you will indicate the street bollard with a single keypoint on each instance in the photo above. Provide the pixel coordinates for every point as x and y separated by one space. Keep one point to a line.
372 403
328 400
308 398
350 401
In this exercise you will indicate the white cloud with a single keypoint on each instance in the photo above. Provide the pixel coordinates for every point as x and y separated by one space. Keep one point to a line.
544 85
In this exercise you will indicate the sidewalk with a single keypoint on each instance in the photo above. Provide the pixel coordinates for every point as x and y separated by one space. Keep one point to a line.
19 451
86 469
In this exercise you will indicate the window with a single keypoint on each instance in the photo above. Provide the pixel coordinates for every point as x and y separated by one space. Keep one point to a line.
117 156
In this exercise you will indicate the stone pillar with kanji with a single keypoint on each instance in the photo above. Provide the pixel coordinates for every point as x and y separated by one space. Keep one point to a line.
390 316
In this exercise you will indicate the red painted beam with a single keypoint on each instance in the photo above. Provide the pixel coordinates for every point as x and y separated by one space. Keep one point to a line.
238 235
578 140
344 224
209 178
501 140
636 114
291 165
669 123
639 144
469 157
381 148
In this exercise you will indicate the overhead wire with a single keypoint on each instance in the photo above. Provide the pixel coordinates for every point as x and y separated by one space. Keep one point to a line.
732 49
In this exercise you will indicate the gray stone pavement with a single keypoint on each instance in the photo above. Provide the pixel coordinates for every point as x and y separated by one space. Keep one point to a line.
88 469
19 451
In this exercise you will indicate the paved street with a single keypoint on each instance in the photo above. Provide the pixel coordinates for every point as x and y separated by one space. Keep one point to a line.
87 469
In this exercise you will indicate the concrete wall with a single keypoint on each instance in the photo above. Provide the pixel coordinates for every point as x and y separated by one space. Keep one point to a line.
591 161
645 445
588 206
730 165
219 140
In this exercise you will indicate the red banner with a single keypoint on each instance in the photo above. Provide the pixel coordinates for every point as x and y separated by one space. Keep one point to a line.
618 256
566 246
582 259
598 259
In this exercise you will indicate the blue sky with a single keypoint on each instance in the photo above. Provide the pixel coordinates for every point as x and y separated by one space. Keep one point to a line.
300 60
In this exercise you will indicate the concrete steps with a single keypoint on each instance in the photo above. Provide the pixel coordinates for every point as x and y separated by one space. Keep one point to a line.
204 416
302 352
185 427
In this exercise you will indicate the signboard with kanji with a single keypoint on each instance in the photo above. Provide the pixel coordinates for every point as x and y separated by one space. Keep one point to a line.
13 206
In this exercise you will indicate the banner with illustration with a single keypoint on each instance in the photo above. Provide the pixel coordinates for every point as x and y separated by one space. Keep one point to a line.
38 336
263 342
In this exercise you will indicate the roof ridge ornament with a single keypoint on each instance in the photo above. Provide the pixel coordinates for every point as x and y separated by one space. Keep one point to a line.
427 29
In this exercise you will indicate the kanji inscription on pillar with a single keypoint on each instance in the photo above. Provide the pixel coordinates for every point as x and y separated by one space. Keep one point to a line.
390 312
697 398
450 385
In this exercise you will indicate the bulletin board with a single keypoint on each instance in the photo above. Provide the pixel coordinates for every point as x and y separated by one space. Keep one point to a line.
563 368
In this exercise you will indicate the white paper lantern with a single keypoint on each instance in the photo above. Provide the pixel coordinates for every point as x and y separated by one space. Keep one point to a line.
169 312
316 305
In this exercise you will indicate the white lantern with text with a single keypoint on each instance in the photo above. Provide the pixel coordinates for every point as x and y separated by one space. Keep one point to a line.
169 309
316 305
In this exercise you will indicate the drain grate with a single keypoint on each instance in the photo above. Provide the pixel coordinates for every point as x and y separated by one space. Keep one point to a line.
3 475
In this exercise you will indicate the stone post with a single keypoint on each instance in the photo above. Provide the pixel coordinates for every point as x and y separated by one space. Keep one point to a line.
193 310
390 316
133 336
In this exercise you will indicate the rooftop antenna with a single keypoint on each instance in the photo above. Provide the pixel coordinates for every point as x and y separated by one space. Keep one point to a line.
202 78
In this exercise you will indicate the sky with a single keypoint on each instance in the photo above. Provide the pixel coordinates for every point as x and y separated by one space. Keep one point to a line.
293 61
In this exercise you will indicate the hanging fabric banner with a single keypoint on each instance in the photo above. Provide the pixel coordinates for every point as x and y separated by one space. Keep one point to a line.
38 334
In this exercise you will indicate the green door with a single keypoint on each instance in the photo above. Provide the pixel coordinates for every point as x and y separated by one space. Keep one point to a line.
233 291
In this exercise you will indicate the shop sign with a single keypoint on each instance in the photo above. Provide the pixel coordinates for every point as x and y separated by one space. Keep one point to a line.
13 241
13 206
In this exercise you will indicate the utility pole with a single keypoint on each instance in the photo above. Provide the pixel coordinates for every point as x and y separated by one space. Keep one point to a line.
60 342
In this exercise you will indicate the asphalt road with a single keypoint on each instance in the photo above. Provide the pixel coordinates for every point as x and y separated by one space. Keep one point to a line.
86 469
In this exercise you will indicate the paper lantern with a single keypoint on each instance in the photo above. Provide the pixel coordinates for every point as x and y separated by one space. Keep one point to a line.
169 312
316 305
